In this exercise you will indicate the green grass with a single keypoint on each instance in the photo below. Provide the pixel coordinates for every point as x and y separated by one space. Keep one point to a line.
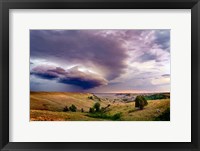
158 96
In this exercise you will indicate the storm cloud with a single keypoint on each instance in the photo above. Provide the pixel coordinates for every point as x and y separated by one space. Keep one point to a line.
93 60
79 47
73 76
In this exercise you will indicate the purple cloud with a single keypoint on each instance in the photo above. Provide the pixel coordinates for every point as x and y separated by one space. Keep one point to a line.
79 47
45 72
72 76
94 58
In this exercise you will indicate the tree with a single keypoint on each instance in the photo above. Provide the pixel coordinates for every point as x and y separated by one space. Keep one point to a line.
72 108
97 106
66 109
140 102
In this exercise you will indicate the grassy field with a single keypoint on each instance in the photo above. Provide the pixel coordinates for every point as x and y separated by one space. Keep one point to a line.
48 106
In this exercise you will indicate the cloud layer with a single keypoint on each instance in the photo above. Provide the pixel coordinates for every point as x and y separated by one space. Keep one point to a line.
101 60
80 48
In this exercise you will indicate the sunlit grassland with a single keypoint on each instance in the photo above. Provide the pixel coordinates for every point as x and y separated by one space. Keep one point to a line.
56 101
48 106
149 113
43 115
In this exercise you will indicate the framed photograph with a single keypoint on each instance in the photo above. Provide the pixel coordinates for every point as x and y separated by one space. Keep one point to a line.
99 75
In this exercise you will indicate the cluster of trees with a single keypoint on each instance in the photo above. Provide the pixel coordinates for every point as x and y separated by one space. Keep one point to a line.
157 96
95 108
140 102
100 112
72 108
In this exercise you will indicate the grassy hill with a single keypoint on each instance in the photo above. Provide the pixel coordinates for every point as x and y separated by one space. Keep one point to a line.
48 106
150 112
56 101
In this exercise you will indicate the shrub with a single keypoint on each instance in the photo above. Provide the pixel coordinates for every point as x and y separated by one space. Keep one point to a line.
116 116
72 108
66 109
90 97
97 107
91 110
140 102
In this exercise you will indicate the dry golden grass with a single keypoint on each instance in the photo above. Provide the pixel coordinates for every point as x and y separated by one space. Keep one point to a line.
149 113
42 115
48 106
56 101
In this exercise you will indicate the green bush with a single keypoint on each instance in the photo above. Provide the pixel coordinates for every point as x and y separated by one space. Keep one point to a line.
91 110
140 102
114 117
97 107
66 109
72 108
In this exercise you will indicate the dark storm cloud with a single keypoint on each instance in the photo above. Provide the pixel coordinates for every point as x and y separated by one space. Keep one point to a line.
166 75
72 76
45 72
79 47
81 82
44 75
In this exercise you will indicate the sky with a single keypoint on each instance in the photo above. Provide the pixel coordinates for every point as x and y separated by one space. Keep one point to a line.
100 61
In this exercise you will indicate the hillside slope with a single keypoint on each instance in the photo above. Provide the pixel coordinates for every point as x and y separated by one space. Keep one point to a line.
48 106
56 101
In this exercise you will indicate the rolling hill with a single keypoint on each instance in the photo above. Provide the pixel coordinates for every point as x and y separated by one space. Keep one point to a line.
48 106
